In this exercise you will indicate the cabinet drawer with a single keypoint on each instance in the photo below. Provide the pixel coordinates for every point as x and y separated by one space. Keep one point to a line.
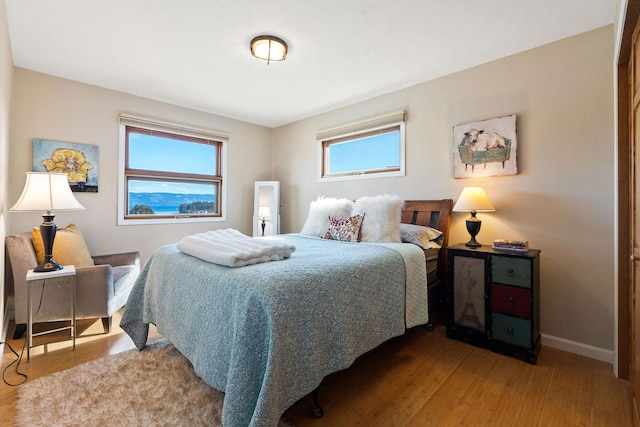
511 300
511 330
511 271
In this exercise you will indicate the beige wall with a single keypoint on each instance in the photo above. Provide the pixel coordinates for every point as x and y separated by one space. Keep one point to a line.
562 198
6 76
63 110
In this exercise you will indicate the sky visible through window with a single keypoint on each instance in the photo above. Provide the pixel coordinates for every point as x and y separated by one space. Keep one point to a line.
374 152
150 152
156 153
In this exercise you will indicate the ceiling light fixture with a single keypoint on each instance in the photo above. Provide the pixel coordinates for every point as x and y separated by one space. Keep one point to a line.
269 48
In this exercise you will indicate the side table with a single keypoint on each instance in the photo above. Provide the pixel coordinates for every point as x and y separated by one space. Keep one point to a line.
66 271
493 299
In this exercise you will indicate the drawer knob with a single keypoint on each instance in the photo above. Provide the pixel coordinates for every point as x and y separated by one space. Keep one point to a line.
511 301
510 332
510 272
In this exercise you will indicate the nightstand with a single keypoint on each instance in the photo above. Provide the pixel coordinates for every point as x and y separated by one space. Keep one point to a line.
493 299
66 271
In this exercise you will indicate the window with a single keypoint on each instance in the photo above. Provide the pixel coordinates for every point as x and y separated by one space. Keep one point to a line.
170 173
368 149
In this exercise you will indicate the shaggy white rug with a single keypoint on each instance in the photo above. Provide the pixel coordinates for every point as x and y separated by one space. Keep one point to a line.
154 387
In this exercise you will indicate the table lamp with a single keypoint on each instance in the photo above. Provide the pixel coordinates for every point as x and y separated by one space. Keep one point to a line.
473 199
47 192
264 213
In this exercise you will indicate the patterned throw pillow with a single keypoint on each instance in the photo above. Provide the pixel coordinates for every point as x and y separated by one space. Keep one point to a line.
347 230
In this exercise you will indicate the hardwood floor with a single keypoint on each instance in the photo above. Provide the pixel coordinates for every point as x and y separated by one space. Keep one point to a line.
425 379
419 379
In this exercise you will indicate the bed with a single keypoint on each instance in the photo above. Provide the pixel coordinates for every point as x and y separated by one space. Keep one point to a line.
268 333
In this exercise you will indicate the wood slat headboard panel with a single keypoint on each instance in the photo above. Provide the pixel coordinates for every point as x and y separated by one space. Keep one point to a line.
431 213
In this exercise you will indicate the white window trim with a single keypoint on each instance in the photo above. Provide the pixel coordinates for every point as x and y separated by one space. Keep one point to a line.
130 120
372 124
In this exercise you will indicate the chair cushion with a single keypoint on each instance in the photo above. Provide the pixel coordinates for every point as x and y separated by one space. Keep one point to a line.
69 247
118 273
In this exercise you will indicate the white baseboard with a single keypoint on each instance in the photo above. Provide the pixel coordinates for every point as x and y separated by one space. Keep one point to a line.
586 350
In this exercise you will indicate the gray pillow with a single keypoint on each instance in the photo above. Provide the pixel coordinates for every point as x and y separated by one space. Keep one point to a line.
425 237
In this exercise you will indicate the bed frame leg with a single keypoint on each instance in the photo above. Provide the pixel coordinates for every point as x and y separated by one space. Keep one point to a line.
317 409
429 326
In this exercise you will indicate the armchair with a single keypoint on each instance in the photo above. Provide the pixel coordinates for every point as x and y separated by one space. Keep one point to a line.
101 290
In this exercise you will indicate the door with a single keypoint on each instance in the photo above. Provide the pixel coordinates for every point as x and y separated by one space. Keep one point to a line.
634 219
629 203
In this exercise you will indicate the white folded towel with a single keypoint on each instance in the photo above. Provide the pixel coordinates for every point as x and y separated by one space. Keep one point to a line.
231 248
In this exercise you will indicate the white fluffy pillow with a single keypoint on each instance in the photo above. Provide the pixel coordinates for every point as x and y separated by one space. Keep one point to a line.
320 210
382 217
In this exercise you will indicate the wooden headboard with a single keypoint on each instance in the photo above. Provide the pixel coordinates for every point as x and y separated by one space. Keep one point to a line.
431 213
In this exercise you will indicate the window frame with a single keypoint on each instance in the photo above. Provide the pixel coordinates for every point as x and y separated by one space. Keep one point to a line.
394 122
182 133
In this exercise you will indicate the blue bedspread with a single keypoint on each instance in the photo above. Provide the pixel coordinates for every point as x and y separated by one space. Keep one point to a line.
267 334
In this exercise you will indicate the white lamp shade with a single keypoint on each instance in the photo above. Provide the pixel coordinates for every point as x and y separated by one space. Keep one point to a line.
264 212
46 192
473 199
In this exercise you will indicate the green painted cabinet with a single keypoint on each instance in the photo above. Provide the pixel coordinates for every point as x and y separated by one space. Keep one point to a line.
493 299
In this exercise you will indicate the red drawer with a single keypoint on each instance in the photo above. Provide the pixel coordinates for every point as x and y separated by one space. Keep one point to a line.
511 300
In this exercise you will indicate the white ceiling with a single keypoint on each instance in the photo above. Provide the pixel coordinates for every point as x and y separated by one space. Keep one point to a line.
195 53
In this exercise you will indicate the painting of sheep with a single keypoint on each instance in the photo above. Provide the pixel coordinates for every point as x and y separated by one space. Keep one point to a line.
485 148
